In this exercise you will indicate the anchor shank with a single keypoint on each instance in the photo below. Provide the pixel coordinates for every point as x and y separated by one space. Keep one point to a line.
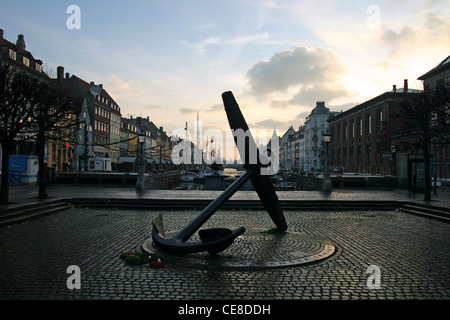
261 183
237 122
185 233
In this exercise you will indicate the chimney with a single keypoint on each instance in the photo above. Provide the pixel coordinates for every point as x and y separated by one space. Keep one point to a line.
405 86
20 42
1 33
67 75
60 73
101 86
394 88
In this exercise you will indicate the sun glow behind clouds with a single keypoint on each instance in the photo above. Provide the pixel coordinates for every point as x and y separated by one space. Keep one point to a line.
171 59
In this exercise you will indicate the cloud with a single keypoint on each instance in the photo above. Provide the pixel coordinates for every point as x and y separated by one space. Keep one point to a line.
303 115
322 92
124 89
314 73
214 108
274 124
279 104
201 46
188 110
418 42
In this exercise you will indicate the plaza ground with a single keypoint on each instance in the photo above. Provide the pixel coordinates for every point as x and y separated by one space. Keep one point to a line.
411 251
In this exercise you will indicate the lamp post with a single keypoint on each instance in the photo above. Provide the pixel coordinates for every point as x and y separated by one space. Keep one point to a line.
394 160
326 176
140 177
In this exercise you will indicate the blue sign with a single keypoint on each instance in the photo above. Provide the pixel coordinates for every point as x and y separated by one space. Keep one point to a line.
18 163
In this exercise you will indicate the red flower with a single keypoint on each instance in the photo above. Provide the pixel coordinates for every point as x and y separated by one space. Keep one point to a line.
155 264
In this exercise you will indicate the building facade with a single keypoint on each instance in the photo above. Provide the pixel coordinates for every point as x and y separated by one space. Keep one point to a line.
361 137
315 126
115 119
440 147
104 116
287 150
16 56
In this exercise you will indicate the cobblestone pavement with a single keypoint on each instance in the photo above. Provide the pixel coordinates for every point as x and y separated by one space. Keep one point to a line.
411 252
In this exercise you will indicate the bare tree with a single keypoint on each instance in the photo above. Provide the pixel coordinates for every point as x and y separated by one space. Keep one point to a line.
16 94
55 112
36 107
426 118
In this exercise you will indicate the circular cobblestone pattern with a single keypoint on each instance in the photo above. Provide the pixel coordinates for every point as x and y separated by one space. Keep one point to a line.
257 248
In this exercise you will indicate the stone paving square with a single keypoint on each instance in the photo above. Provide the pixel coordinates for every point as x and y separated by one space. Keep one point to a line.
410 254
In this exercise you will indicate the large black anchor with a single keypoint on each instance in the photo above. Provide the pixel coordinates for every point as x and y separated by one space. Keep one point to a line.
218 239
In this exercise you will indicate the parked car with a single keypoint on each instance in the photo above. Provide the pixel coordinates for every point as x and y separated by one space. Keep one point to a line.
338 170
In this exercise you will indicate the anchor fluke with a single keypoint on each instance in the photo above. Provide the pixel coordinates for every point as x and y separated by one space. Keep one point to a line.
212 240
221 236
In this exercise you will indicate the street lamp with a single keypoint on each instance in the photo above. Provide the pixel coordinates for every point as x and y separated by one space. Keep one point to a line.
394 160
140 177
326 177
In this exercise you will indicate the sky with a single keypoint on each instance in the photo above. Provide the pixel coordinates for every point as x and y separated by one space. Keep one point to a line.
172 59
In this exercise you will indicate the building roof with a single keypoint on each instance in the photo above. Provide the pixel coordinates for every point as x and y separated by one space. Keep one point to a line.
87 87
19 49
443 65
399 94
320 108
147 124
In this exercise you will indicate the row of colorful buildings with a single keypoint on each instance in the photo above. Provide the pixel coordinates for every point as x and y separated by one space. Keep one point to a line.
102 132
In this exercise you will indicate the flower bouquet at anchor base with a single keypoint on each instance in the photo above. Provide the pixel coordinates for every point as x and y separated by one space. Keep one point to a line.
140 258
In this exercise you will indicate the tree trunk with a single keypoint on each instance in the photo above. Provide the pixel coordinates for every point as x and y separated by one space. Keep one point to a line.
426 164
43 171
4 191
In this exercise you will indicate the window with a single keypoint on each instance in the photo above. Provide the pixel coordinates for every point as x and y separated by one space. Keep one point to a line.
12 54
26 61
369 124
345 131
360 127
380 120
352 129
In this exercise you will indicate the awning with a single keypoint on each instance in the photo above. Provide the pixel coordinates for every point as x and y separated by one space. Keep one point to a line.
99 149
127 159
